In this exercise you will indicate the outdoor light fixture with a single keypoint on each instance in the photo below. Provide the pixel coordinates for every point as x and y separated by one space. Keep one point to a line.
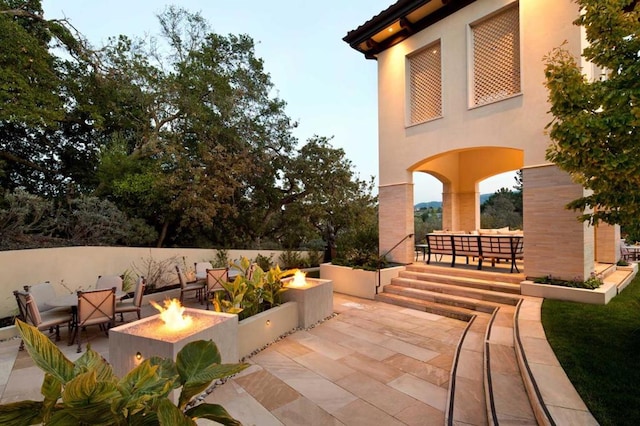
138 356
268 322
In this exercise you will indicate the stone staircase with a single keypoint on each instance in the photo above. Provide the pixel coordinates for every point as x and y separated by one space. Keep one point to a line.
486 385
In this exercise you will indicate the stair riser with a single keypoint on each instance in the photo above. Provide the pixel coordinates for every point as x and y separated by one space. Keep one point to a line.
442 299
467 273
437 310
460 281
456 291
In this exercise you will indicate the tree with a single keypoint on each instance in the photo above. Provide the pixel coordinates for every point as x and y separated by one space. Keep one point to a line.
503 208
594 132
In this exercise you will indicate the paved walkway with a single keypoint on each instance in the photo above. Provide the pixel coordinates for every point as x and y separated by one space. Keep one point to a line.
373 363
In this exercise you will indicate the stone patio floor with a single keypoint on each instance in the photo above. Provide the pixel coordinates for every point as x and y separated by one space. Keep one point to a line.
373 363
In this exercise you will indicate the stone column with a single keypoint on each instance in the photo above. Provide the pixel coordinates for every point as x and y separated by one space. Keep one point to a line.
607 243
396 221
555 242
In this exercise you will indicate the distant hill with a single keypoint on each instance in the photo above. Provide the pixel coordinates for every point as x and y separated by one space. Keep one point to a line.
438 204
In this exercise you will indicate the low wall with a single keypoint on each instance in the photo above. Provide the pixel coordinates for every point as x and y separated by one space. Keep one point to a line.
358 282
259 330
73 268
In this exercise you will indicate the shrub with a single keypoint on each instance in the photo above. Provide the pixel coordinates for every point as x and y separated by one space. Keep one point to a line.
158 273
593 282
264 262
87 392
291 259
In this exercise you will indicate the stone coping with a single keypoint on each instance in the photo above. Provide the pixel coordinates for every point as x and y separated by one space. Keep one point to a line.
599 296
554 399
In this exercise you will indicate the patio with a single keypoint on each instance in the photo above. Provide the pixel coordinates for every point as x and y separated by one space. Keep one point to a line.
372 363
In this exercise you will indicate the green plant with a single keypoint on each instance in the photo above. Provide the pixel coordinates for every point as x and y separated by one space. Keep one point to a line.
593 282
291 259
622 262
252 293
127 281
264 262
86 392
314 258
221 260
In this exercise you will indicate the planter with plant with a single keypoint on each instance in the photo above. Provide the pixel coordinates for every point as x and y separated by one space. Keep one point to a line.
86 392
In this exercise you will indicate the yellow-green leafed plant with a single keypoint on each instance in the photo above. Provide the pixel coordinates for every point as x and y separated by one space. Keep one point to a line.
88 393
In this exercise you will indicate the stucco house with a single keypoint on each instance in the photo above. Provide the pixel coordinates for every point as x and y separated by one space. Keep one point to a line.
461 96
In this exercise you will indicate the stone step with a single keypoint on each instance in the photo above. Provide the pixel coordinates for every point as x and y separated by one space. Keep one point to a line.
463 291
466 402
464 271
463 281
426 306
506 397
434 295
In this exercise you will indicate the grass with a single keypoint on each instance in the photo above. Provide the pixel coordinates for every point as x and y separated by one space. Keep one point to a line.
599 349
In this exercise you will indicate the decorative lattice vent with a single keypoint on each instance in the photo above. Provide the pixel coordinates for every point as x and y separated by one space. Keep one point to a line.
426 84
496 57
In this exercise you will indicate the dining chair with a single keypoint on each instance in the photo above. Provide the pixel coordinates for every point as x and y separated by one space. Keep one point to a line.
134 304
109 281
201 269
95 307
196 287
49 320
215 278
42 292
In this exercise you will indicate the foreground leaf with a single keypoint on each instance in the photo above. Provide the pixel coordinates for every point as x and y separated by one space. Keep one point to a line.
214 412
44 353
21 413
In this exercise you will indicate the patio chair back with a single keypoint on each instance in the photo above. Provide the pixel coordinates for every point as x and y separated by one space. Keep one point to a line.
135 304
109 281
215 278
201 269
95 307
28 307
185 287
42 292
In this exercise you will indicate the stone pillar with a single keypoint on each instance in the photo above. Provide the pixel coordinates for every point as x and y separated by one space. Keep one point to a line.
396 221
555 242
607 243
468 211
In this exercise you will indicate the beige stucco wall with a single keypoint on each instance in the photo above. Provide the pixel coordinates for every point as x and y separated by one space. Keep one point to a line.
79 267
468 144
517 122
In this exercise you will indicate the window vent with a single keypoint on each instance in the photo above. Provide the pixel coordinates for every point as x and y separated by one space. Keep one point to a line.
425 68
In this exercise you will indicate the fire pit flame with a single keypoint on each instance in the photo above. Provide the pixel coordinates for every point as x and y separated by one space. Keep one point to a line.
173 315
299 280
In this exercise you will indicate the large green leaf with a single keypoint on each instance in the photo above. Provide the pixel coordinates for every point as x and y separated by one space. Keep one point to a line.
170 415
213 412
92 360
143 384
21 413
44 353
52 391
89 400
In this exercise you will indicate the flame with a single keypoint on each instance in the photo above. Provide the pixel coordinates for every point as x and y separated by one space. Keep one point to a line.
173 314
298 279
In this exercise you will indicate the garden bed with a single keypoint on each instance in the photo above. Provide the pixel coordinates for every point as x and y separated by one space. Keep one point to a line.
598 296
358 282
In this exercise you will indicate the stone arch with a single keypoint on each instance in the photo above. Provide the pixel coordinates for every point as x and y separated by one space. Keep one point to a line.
460 172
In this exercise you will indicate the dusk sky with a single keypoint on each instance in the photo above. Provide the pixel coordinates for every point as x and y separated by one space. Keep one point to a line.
329 88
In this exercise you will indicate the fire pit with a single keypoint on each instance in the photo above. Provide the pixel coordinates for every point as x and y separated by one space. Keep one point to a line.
313 295
166 333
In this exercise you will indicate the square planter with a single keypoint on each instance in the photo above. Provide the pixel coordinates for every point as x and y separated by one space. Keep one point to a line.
259 330
358 282
315 300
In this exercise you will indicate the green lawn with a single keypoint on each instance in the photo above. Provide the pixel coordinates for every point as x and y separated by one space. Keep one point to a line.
599 348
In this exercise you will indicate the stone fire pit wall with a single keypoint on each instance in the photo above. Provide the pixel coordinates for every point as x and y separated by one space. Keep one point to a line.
149 337
315 300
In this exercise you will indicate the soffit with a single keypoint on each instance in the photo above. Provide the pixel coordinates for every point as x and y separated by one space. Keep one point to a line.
398 22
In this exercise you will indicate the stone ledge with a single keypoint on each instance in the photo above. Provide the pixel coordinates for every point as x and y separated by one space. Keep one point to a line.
599 296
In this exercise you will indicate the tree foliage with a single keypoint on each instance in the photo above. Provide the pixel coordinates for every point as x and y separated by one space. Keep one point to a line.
180 133
595 127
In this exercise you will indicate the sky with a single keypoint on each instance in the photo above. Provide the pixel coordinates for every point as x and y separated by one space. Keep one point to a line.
329 88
